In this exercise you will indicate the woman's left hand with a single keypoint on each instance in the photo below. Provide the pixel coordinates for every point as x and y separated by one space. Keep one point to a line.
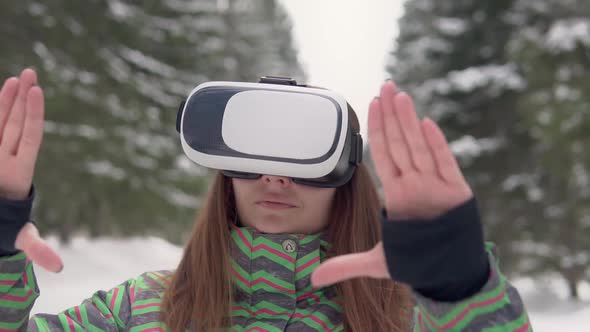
421 178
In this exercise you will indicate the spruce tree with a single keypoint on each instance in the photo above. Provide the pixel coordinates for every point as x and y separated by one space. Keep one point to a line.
552 50
114 73
451 57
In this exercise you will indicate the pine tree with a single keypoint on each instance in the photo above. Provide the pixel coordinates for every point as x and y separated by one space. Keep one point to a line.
507 82
258 40
114 73
553 52
450 56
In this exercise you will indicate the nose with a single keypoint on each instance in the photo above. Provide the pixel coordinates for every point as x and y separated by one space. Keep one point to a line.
274 179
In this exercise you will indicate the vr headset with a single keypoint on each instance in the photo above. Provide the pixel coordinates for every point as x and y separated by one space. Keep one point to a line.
273 127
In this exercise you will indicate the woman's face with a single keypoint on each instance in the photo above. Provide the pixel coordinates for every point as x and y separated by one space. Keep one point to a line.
275 204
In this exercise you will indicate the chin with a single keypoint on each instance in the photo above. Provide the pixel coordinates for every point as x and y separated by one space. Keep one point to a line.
273 229
273 226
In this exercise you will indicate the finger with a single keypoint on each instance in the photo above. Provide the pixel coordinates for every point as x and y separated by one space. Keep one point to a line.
371 263
421 156
398 149
32 135
446 163
36 249
16 119
43 255
7 96
384 166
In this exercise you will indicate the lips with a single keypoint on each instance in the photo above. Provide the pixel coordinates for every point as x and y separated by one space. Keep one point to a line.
275 204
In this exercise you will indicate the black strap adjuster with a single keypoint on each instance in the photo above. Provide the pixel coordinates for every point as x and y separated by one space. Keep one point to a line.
277 80
356 153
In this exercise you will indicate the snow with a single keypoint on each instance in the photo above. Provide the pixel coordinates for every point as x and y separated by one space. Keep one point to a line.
120 10
564 35
180 198
101 264
469 146
91 265
451 26
526 180
548 308
37 9
105 168
193 6
152 89
581 179
117 68
147 62
424 45
469 79
153 144
49 60
190 167
80 130
144 162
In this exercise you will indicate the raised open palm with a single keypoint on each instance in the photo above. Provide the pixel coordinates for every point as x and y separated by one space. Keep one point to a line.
420 176
21 133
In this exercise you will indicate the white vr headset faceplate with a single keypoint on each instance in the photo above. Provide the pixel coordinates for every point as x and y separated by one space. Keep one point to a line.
293 130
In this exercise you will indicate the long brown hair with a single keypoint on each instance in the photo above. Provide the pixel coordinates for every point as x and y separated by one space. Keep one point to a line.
201 288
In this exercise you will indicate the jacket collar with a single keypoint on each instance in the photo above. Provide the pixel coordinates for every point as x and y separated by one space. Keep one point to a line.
275 265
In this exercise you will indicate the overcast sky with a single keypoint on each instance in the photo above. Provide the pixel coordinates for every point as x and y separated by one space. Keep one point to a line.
343 45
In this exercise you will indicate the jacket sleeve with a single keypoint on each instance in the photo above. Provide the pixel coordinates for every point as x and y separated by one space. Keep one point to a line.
497 307
104 311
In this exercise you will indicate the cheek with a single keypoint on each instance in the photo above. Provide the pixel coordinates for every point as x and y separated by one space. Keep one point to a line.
321 200
240 190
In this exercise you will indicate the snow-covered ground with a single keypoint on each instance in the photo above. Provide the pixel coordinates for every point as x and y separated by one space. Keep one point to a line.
549 309
91 265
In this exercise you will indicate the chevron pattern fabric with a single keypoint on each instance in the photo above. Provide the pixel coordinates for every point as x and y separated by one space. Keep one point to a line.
271 275
284 299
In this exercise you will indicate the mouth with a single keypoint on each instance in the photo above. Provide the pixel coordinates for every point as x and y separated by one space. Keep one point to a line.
275 205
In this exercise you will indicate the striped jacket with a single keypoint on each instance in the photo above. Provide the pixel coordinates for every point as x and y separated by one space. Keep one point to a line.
273 293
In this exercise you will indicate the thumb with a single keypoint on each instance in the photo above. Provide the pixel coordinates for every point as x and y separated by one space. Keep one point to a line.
37 250
370 263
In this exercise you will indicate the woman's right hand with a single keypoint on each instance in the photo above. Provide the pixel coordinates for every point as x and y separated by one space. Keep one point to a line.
21 133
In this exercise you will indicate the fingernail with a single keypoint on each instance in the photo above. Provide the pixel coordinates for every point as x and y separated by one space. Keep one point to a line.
60 269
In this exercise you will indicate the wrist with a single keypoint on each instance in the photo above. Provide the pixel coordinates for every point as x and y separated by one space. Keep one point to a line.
15 197
14 214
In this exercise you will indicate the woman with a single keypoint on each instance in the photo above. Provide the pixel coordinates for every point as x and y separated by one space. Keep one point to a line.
257 259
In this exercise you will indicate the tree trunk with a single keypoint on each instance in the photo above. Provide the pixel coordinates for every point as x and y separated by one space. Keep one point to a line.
573 289
572 277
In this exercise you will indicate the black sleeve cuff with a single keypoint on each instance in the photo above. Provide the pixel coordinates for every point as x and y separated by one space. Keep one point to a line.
13 216
444 258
